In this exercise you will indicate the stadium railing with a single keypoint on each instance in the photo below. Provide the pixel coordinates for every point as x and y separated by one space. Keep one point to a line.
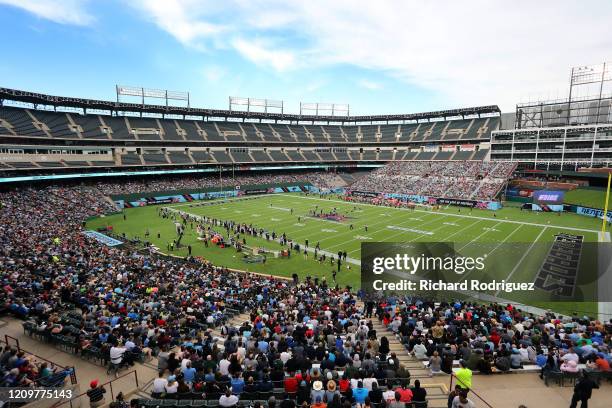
83 400
472 394
10 340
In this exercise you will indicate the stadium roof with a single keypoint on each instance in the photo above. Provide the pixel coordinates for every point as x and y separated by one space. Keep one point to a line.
63 101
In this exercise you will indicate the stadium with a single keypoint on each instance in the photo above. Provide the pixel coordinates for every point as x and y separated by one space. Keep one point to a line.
160 254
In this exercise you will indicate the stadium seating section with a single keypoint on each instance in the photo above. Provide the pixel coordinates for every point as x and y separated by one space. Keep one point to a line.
190 142
455 179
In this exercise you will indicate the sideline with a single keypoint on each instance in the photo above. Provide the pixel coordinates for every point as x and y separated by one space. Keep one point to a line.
457 215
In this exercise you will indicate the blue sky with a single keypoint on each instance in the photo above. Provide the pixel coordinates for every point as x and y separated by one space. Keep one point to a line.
379 57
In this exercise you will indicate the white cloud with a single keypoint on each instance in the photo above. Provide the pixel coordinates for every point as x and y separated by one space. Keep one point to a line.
59 11
186 20
262 54
367 84
470 52
214 73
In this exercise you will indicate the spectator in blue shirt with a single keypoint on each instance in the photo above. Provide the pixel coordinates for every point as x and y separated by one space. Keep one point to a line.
237 385
360 393
189 373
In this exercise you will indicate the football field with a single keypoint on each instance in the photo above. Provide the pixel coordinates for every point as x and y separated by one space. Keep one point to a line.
518 241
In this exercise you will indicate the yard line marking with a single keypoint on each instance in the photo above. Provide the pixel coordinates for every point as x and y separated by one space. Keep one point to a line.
370 227
480 235
395 227
410 240
493 250
462 216
523 257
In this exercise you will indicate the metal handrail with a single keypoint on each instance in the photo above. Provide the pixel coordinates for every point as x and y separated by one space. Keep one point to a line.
73 379
109 383
450 388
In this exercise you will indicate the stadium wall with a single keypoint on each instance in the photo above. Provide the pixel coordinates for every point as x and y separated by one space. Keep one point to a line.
145 199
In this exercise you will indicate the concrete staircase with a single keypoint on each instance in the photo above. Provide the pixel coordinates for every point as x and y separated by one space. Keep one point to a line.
416 368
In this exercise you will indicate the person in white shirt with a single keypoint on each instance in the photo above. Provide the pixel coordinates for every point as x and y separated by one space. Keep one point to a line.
228 400
129 345
184 362
389 395
420 351
285 356
570 356
367 382
159 385
462 401
172 386
224 366
116 354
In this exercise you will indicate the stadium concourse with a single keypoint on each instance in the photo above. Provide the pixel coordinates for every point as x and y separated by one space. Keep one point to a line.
196 332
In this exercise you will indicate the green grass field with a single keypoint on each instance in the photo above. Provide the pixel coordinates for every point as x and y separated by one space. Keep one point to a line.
473 233
588 197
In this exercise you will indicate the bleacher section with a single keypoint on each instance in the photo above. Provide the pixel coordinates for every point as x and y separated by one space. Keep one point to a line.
200 156
118 127
368 133
294 155
230 131
179 158
310 156
221 156
131 159
145 128
260 156
37 123
90 126
170 130
192 132
450 179
241 157
388 133
20 122
302 143
283 132
57 123
278 156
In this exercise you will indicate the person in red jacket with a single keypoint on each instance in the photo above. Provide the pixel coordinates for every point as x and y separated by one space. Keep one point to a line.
495 338
291 384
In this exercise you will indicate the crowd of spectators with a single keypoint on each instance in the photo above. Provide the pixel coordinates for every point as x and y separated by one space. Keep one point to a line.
229 180
312 340
449 179
18 369
494 337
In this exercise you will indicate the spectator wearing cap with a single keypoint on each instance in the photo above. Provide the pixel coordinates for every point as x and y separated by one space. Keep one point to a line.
95 394
317 391
331 391
172 386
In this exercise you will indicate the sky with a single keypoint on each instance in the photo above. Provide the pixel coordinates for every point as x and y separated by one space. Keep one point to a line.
379 56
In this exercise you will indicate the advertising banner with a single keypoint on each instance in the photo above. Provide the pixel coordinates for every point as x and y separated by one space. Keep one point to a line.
594 212
548 196
363 193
